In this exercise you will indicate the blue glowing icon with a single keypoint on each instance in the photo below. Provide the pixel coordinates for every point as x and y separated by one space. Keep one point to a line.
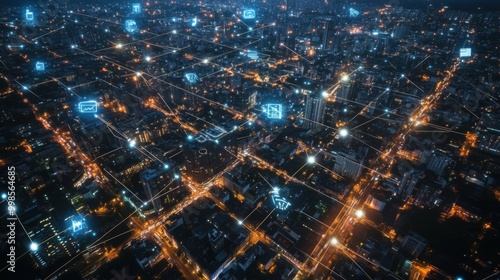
88 107
40 66
191 77
279 202
130 25
273 111
465 52
253 54
353 12
76 225
249 14
29 15
194 22
136 8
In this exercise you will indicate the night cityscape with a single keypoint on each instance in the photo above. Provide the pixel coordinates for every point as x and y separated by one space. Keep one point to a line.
252 139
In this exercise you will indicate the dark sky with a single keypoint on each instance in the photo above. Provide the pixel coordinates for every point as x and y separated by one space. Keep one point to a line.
467 5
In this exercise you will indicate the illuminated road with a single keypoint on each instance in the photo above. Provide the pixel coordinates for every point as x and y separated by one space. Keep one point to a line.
325 253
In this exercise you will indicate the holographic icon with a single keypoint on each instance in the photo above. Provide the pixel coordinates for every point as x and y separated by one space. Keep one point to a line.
273 111
130 25
40 66
249 14
279 202
136 8
88 107
76 225
194 22
191 77
353 12
465 52
29 15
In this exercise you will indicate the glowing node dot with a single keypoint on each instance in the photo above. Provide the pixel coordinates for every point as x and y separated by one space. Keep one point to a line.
334 241
345 78
205 61
359 214
276 190
311 160
324 94
343 132
148 58
190 137
176 176
240 222
4 196
166 166
33 246
132 143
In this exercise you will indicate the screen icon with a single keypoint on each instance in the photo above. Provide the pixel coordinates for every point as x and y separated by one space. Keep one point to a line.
87 107
465 52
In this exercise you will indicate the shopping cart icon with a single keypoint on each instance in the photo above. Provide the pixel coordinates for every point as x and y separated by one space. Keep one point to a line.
87 107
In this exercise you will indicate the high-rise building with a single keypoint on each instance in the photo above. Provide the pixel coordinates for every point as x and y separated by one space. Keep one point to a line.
409 181
345 90
414 244
315 111
156 182
347 165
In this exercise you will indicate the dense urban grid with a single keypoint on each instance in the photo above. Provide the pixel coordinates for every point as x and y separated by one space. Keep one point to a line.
255 139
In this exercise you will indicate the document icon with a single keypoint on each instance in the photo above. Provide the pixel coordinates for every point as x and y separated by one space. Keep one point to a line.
88 107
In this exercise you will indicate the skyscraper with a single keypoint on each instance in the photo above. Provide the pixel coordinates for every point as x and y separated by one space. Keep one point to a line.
345 90
154 182
315 111
347 165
